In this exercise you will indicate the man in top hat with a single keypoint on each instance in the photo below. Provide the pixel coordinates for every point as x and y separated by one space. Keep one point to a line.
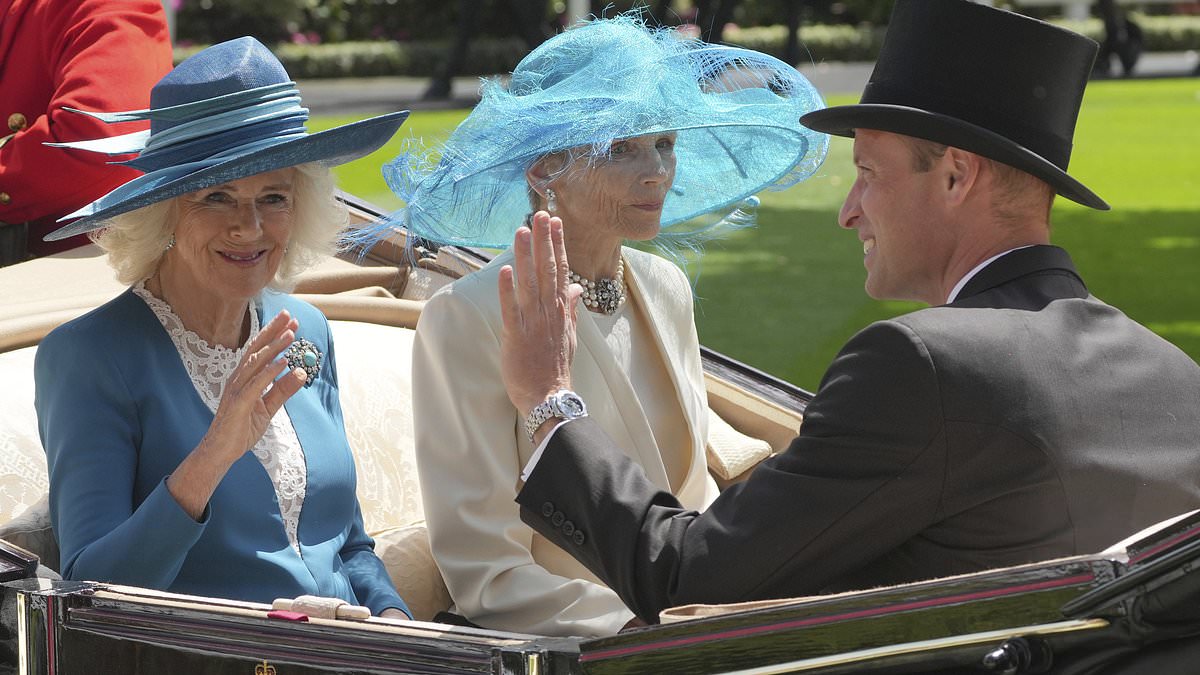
1016 419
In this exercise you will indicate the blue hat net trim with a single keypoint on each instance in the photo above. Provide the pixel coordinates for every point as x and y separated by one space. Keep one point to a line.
735 111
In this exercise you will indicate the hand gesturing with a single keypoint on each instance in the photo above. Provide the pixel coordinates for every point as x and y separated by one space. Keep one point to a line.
538 338
253 395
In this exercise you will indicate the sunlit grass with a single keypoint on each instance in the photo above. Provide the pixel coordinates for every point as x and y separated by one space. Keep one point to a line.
787 294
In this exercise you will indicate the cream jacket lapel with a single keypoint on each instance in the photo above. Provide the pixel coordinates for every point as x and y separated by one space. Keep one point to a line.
655 286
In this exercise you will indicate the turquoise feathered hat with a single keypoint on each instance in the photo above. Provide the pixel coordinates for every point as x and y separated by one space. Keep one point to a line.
736 112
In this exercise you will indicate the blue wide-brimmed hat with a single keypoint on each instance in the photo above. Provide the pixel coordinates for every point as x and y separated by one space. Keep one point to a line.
227 112
736 112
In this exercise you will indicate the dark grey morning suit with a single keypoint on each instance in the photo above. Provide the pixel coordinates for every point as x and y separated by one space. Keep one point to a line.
1025 421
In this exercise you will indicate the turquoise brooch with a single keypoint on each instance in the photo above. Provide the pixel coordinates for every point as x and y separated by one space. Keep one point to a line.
304 355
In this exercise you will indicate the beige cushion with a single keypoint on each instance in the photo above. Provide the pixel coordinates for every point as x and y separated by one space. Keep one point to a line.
24 510
23 479
423 284
373 374
32 531
374 365
405 552
730 452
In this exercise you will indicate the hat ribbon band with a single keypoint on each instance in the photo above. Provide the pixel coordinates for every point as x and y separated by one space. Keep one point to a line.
214 124
183 111
1050 146
149 144
214 145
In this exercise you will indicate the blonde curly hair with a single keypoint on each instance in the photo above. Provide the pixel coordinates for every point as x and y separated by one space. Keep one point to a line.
135 241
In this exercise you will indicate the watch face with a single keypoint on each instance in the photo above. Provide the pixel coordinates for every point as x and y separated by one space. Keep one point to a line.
571 405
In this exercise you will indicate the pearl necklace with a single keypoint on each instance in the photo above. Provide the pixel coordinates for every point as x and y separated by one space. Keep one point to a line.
603 295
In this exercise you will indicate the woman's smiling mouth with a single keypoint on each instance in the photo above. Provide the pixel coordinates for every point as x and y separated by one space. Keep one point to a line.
246 258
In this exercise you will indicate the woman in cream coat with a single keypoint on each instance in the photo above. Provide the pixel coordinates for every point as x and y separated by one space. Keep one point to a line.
620 131
471 442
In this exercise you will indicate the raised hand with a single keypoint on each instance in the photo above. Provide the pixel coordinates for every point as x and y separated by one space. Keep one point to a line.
251 398
253 395
538 308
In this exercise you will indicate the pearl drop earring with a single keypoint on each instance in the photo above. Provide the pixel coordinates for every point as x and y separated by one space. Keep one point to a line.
551 201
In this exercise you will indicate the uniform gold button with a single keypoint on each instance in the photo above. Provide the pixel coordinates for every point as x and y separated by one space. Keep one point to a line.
4 198
17 122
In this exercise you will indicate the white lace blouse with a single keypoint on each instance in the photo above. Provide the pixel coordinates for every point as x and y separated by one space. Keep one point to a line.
210 367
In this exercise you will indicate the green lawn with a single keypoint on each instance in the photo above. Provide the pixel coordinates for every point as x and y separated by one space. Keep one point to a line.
786 295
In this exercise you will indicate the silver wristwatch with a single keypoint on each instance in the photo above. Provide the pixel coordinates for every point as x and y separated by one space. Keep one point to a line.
563 404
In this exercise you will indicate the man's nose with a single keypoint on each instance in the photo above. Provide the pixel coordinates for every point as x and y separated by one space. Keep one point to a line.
851 208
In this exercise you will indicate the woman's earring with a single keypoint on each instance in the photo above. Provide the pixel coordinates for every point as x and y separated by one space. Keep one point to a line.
551 202
170 244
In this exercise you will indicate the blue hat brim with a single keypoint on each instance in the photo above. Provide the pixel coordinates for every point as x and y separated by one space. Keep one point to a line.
939 128
775 152
330 148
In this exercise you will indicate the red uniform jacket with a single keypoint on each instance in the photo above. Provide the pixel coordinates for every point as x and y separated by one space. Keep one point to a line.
87 54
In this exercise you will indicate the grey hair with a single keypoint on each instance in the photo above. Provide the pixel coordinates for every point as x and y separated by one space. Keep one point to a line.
136 241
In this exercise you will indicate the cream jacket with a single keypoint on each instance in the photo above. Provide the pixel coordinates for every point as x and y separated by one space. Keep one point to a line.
471 447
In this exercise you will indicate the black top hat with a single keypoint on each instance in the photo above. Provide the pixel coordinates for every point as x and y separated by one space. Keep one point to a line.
995 83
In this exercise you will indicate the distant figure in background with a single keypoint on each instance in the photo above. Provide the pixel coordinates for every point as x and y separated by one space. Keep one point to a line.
87 54
1122 38
531 25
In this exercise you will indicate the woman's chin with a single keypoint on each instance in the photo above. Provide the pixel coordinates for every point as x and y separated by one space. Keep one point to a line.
643 231
247 287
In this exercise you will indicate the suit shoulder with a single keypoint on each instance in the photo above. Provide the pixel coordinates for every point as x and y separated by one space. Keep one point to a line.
951 323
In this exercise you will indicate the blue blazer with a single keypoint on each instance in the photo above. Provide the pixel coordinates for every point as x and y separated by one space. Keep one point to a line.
117 413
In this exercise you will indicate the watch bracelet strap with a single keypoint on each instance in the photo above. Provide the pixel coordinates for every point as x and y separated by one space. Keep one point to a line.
537 417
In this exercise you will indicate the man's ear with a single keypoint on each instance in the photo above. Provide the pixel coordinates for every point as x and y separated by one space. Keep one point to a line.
962 169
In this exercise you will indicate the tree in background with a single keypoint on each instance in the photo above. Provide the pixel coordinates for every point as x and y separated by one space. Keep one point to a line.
212 21
530 24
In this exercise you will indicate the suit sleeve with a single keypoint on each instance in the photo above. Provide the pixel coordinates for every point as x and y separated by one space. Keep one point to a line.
468 457
367 574
90 429
864 475
103 56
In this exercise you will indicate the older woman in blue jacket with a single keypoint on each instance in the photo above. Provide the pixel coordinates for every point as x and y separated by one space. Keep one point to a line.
192 427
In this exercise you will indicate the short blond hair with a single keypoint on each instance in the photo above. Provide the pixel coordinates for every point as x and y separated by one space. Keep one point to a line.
135 241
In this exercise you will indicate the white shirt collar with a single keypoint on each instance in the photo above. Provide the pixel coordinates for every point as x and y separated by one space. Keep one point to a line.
963 282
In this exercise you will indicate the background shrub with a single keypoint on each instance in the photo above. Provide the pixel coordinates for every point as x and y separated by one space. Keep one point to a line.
493 54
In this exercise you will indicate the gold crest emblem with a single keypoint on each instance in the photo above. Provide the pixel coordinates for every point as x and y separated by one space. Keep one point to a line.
264 668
